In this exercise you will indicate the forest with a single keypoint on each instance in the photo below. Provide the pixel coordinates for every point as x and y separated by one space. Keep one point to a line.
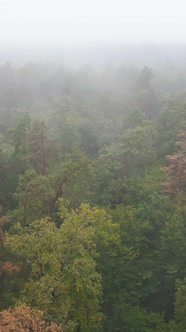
92 197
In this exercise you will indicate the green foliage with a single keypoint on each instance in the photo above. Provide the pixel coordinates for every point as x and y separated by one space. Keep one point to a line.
94 137
72 178
132 284
65 120
139 187
63 279
109 171
171 120
133 118
33 195
173 246
180 306
138 147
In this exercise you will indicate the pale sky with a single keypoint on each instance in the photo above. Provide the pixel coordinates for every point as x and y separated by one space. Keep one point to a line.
59 21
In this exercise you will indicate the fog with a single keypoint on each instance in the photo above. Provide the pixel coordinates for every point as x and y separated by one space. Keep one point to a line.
73 21
99 32
92 165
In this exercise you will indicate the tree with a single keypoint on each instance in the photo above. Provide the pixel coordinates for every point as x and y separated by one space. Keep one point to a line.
110 173
131 295
171 120
65 122
180 306
8 284
64 282
34 193
5 266
176 170
72 179
144 79
138 147
25 319
145 97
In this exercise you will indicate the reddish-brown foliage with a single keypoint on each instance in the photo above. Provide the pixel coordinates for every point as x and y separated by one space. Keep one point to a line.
7 267
176 170
25 319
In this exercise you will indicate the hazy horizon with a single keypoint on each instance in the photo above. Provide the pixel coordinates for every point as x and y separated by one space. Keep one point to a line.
76 22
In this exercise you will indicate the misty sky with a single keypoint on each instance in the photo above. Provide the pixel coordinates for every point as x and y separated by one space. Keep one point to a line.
56 21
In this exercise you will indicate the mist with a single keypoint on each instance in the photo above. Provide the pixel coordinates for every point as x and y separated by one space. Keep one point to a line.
123 21
92 165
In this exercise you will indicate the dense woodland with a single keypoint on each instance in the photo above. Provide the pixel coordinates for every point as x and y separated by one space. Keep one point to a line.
92 197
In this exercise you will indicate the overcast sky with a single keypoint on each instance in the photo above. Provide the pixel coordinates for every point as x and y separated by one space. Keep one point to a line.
59 21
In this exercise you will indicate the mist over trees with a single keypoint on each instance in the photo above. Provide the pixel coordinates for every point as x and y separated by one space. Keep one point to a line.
93 189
